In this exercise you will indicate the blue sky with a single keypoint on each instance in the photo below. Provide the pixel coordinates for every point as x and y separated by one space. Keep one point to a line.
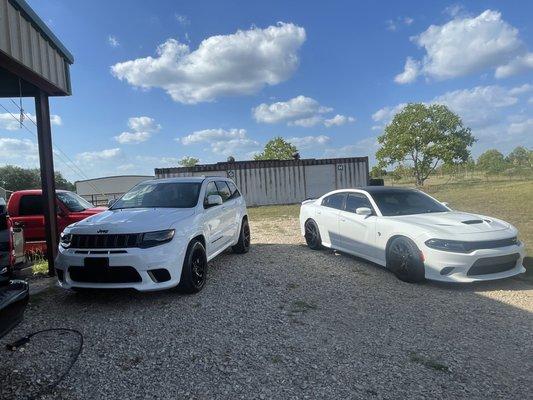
230 75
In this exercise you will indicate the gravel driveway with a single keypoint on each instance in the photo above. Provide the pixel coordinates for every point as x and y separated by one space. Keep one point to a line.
283 322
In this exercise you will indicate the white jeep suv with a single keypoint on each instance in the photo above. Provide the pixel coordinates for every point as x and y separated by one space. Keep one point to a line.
159 235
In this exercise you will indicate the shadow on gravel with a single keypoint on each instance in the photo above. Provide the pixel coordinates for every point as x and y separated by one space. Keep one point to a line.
282 321
519 282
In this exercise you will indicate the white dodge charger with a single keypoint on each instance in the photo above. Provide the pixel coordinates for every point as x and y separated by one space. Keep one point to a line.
159 235
413 235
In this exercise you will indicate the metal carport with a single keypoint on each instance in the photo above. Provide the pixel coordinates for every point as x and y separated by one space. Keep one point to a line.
34 63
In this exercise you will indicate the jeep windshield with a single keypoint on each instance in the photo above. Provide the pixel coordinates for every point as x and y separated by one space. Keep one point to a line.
160 195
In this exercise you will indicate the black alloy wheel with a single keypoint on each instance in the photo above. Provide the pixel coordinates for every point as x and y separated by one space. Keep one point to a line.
243 245
194 271
404 259
312 235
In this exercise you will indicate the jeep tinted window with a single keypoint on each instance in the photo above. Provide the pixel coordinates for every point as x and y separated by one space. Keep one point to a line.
211 189
31 205
234 191
223 190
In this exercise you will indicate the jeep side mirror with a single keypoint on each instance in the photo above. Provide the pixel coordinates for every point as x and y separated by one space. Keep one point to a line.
214 200
110 203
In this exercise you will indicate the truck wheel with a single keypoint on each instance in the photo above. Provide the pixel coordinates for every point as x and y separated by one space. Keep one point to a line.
243 245
194 271
403 259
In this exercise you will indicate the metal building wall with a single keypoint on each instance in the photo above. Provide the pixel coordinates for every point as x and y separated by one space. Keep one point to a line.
22 41
285 182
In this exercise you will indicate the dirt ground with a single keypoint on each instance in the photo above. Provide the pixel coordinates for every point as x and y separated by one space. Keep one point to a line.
283 322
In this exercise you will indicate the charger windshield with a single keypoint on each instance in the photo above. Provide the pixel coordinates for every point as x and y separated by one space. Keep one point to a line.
399 202
160 195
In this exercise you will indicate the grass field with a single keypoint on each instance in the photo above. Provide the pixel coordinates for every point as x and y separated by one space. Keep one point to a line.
511 201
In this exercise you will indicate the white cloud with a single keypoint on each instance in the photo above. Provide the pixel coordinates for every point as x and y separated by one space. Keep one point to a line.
521 128
183 20
133 137
221 141
12 148
394 24
234 147
525 88
143 124
9 123
143 127
410 72
363 147
386 114
485 109
95 156
466 45
113 41
478 106
306 122
237 64
517 65
338 120
299 107
307 142
208 135
299 111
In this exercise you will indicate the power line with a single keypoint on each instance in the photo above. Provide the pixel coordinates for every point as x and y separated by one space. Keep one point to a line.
82 173
79 172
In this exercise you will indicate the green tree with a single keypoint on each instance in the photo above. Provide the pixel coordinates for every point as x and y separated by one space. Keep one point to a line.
424 136
277 149
520 157
188 161
377 172
61 182
491 162
16 178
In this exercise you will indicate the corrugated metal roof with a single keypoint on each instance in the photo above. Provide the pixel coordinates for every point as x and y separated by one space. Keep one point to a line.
43 28
224 166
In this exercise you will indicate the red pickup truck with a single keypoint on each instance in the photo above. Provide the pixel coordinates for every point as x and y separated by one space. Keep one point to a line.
25 210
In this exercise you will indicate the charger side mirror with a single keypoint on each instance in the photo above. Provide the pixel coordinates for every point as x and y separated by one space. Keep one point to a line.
363 211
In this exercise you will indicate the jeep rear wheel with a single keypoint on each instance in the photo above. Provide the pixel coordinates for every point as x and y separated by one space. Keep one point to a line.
243 245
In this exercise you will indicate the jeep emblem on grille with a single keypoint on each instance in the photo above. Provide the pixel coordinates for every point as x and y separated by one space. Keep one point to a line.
102 231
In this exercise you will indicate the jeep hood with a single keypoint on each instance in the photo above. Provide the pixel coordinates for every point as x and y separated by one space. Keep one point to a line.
453 223
134 220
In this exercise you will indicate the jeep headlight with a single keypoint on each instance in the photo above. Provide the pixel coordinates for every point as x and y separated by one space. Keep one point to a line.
65 239
151 239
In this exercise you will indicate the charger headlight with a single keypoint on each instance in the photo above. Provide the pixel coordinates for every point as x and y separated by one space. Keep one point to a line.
65 239
151 239
448 245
